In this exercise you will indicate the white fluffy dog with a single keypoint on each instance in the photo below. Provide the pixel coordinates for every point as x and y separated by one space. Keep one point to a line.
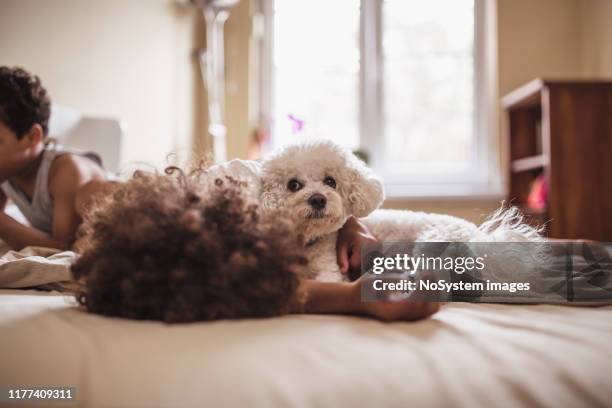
321 184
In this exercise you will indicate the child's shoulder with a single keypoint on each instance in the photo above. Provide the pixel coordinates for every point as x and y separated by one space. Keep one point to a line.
70 170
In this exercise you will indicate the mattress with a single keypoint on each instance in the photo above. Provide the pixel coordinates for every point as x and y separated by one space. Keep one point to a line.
466 355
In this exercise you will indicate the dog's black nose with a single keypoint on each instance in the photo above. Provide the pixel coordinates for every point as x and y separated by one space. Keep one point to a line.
317 201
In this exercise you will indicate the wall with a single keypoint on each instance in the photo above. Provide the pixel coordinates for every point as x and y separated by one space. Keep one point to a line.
129 59
201 144
553 39
596 38
238 64
537 39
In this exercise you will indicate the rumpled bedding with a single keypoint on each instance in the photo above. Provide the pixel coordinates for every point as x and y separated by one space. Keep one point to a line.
36 267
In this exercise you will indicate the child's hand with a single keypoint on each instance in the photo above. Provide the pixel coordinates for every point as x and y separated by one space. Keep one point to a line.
351 237
392 311
345 298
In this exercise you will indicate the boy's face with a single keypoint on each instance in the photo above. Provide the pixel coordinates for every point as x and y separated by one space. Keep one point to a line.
14 154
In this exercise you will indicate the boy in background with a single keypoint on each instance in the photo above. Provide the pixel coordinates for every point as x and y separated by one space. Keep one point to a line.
49 183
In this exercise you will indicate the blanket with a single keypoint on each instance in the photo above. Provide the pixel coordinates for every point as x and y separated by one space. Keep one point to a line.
36 267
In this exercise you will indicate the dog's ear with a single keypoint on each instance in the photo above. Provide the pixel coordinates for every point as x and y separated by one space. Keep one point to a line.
365 191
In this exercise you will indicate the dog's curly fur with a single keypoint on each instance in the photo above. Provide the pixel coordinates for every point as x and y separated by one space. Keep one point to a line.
358 191
171 248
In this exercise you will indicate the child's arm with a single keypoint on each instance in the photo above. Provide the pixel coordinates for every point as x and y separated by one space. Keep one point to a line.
18 236
68 176
345 298
65 178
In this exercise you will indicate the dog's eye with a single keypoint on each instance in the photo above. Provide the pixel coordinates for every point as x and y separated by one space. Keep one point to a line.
329 181
294 185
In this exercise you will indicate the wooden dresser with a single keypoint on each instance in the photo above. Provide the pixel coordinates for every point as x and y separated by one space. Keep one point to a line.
561 132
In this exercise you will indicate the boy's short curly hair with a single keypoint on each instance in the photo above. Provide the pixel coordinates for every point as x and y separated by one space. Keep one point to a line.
163 247
23 101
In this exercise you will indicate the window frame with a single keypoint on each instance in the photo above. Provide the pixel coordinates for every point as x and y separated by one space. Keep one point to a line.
485 179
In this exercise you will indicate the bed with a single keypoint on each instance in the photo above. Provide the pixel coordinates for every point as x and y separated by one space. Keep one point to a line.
466 355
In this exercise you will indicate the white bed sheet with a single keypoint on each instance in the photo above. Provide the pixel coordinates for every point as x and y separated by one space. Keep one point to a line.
467 355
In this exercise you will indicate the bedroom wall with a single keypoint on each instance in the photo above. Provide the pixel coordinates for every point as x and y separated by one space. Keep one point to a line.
596 39
129 59
553 39
238 87
537 39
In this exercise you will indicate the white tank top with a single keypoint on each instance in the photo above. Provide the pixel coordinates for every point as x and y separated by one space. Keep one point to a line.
39 210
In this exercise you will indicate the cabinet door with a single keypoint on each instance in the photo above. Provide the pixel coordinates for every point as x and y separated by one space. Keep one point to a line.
580 172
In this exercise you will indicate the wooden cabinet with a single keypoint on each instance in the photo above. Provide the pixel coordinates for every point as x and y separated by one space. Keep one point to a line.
561 132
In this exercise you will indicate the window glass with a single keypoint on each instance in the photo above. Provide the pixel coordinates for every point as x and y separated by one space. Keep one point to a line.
428 92
316 71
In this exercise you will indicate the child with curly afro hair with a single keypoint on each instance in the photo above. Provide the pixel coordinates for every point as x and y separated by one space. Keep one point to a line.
181 248
177 248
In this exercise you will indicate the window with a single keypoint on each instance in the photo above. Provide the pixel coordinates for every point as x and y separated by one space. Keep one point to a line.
428 122
315 68
406 82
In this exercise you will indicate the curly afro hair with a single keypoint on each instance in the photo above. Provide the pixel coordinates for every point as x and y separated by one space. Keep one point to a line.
23 101
164 247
